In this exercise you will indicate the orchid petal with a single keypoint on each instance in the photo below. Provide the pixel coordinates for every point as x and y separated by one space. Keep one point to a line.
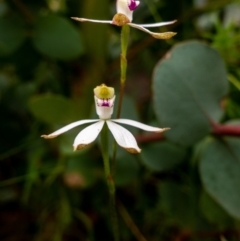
87 135
165 35
160 24
140 125
123 8
123 137
104 112
91 20
67 128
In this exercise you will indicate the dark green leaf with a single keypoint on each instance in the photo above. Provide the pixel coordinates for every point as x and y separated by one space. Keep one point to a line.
188 86
12 35
127 168
179 203
162 156
53 109
56 37
219 170
213 212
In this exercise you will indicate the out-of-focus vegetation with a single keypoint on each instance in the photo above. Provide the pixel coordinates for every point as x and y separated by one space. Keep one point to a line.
185 186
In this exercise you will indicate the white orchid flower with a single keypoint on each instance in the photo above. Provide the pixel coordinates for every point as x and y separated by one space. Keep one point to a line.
104 101
124 15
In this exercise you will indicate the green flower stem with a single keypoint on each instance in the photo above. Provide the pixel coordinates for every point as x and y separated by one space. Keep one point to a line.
110 182
123 65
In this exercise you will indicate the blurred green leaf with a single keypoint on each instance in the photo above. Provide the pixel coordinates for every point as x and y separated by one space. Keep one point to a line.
179 202
56 37
219 170
213 212
162 156
188 86
53 109
12 35
127 168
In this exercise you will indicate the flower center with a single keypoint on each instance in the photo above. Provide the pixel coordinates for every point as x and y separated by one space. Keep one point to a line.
120 19
104 107
104 103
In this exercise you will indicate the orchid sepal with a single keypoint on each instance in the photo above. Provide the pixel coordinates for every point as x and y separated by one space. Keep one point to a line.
140 125
91 20
87 135
160 24
67 128
123 137
165 35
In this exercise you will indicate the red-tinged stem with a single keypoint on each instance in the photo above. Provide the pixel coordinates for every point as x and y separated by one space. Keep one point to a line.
225 130
217 130
150 138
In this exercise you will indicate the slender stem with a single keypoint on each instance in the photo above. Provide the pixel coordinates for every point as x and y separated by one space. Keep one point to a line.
121 93
149 138
129 222
114 158
219 130
123 66
110 182
225 130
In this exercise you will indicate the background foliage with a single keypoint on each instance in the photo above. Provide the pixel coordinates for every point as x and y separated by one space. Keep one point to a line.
183 186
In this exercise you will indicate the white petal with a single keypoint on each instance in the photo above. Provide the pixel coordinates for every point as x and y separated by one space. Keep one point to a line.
165 35
67 128
123 137
140 125
160 24
122 7
91 20
87 135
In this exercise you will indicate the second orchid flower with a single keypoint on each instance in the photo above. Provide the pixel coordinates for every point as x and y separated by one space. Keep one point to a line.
124 15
